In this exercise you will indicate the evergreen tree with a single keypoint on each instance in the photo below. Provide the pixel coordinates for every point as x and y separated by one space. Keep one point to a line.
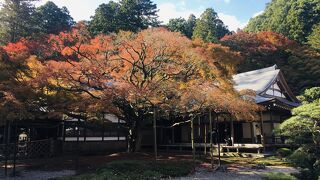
292 18
314 38
191 22
16 20
128 15
209 27
106 19
184 26
139 14
51 19
303 130
178 25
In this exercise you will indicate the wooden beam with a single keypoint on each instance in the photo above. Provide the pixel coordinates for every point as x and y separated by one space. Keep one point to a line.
231 130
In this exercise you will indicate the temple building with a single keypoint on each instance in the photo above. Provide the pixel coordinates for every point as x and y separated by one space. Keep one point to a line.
272 92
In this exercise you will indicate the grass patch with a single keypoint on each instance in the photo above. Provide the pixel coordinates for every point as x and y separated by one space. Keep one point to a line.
271 161
278 176
268 161
136 170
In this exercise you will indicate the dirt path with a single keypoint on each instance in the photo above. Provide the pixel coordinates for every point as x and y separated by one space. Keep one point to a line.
39 175
239 173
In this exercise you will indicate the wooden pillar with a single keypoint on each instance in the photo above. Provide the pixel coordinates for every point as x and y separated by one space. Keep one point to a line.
231 131
192 139
77 146
63 131
210 133
118 128
85 131
103 130
155 133
7 141
205 139
218 141
272 126
252 132
172 138
15 148
261 129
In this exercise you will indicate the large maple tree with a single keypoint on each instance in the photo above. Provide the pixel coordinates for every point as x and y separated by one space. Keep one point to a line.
131 75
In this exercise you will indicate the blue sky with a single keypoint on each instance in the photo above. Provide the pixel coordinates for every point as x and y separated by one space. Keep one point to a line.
234 13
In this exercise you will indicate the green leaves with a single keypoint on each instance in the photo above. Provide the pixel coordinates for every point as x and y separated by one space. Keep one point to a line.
20 19
183 26
209 27
51 19
127 15
16 20
303 129
314 38
292 18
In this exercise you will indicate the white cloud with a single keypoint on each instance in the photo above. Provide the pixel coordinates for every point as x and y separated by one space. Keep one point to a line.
227 1
79 9
257 13
168 11
231 21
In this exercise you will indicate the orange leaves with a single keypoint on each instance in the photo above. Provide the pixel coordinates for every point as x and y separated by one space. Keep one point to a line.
17 52
154 67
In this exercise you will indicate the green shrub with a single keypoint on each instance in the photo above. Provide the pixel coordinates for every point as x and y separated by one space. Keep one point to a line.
137 170
284 152
301 158
279 176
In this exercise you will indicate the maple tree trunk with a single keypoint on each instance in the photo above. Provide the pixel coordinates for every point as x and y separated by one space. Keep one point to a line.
135 138
138 139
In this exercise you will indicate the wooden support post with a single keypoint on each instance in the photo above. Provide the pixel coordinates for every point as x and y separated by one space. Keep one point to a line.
6 138
172 138
15 148
199 126
205 139
192 139
77 145
272 126
231 131
210 132
118 128
85 131
262 132
199 134
252 132
103 130
63 131
218 141
155 133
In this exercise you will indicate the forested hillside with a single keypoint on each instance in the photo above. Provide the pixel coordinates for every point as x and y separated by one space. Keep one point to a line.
295 19
300 64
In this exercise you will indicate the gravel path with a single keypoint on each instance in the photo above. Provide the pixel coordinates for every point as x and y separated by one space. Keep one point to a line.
39 175
240 173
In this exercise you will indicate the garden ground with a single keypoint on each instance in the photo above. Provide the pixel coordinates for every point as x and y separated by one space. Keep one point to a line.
138 165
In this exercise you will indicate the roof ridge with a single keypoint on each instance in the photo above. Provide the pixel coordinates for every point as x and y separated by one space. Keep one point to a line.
267 69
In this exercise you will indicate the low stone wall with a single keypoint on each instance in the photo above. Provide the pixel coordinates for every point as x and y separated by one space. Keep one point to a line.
94 147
